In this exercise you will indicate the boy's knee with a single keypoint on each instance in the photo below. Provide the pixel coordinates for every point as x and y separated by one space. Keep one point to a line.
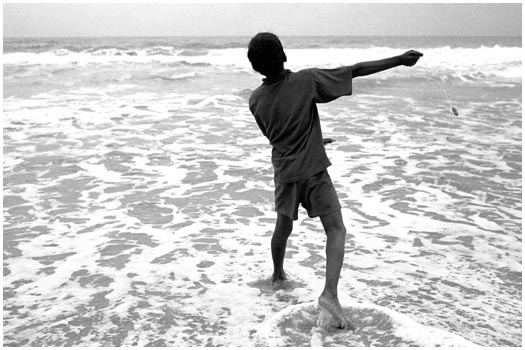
335 228
339 231
284 225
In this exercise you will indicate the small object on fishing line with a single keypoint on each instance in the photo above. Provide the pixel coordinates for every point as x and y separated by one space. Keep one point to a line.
455 111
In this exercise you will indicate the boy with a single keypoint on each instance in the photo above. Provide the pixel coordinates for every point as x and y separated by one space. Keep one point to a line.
284 107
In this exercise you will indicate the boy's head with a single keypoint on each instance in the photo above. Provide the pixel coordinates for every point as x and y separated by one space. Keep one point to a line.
266 54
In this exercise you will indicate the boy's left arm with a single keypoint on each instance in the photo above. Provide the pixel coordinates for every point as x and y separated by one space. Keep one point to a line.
409 58
261 126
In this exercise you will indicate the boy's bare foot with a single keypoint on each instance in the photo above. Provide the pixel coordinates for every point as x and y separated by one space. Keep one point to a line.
332 305
279 280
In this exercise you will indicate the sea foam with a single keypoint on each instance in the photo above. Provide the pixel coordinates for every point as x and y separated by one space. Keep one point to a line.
375 326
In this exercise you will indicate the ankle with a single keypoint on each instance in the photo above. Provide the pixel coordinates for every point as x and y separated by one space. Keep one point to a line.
329 294
279 275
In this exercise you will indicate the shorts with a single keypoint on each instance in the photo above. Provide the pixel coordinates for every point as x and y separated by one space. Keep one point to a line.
316 194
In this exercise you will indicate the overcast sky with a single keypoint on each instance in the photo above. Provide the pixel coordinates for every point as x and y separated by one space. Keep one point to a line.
172 19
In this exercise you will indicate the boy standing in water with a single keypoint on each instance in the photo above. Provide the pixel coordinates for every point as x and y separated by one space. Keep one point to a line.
284 107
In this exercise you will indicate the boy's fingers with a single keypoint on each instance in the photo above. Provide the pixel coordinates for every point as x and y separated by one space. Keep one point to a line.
415 53
411 57
414 57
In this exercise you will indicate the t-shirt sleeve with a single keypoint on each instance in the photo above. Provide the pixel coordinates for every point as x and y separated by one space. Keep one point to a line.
330 84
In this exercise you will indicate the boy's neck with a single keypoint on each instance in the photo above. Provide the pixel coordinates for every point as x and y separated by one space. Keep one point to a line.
277 76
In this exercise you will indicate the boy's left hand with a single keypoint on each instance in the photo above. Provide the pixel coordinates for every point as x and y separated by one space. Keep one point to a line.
410 58
327 141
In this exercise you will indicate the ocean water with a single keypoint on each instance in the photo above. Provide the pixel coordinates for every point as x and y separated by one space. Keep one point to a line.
138 195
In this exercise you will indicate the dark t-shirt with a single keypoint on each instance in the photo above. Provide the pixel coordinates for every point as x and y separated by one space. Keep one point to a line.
286 112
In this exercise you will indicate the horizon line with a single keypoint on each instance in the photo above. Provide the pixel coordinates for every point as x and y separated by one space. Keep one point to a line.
250 35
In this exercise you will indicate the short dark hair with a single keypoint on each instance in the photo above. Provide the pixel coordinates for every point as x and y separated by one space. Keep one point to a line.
266 53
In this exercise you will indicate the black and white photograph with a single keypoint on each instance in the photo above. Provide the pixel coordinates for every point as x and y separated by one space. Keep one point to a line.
262 174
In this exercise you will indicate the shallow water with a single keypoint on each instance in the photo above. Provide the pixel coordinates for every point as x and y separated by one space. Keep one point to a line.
139 212
307 324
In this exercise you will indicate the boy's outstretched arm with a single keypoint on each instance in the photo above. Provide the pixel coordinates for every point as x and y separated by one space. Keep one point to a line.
409 58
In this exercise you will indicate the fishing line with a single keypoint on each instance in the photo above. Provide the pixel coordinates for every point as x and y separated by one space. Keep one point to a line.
446 98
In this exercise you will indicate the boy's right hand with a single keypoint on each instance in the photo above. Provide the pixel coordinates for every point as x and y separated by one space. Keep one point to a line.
410 58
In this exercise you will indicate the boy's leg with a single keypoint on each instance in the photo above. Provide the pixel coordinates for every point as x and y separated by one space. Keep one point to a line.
335 251
283 229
